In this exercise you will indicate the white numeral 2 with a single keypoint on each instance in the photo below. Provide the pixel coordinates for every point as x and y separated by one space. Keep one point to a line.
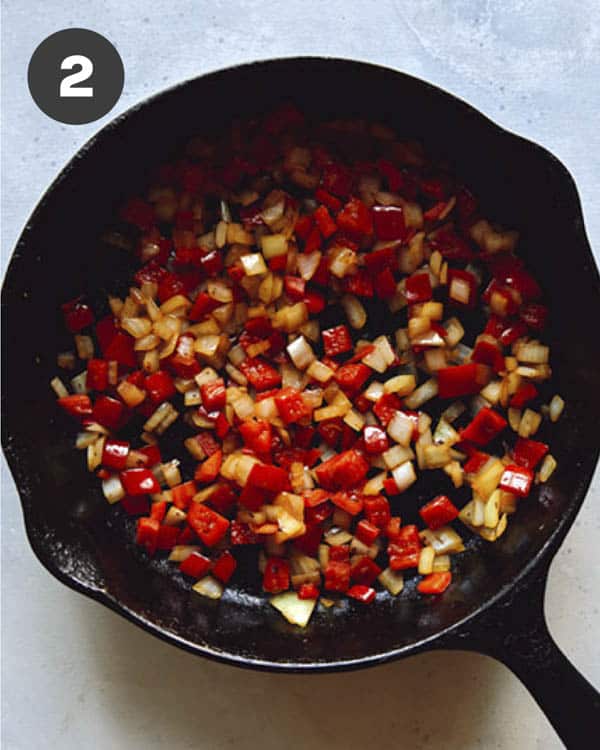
67 85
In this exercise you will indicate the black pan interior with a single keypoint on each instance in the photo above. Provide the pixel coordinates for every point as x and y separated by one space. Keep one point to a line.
59 255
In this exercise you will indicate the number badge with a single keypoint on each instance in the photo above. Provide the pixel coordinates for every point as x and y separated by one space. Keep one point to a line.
76 76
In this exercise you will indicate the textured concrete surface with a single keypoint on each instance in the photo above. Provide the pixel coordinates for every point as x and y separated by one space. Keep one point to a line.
76 675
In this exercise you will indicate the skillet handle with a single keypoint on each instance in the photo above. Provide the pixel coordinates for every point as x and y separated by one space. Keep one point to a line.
515 632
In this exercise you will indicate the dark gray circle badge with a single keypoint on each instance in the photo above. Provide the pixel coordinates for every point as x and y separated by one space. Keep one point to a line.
75 76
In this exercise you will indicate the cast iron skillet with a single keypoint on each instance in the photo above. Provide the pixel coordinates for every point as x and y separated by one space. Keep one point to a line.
495 605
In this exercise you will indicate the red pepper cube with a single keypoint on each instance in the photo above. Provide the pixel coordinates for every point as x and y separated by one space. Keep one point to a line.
139 482
364 571
212 263
208 471
108 412
336 340
488 353
352 376
195 565
261 375
377 510
295 287
375 440
270 478
438 512
291 406
337 179
276 577
137 211
462 287
462 380
386 407
534 315
159 386
486 425
97 375
366 532
327 199
209 525
114 453
344 471
525 393
77 405
517 479
183 361
257 435
224 566
240 533
388 222
203 306
418 288
77 315
168 537
135 506
435 583
310 540
337 576
351 502
152 453
529 453
385 284
392 175
355 218
182 494
362 594
326 224
315 302
313 241
303 226
213 395
476 461
404 550
308 591
147 534
359 283
158 510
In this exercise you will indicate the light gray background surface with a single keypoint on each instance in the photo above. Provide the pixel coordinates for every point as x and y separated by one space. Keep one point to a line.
76 675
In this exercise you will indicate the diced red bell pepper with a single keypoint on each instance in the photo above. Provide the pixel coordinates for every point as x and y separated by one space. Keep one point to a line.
315 302
386 407
435 583
276 577
313 241
327 199
488 353
377 510
182 494
139 482
336 340
404 550
135 506
120 348
392 175
525 393
291 406
77 405
186 536
213 395
147 534
224 566
343 471
310 540
364 571
261 375
351 377
477 460
203 305
517 278
257 435
152 452
450 245
375 439
195 565
517 479
108 411
268 477
308 591
529 453
362 594
418 288
485 426
212 263
385 284
337 575
534 315
222 426
77 315
137 211
114 453
303 226
462 380
209 470
159 386
183 360
169 285
97 375
390 487
512 332
317 515
294 287
366 532
393 528
158 510
326 224
388 222
304 436
378 260
331 431
241 533
351 502
438 512
458 282
168 536
207 442
359 284
355 218
209 525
